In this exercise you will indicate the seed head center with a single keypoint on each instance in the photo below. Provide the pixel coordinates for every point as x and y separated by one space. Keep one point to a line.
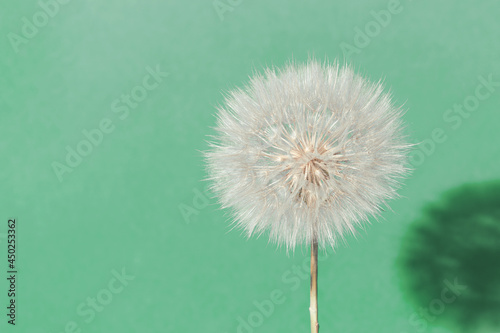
315 171
310 174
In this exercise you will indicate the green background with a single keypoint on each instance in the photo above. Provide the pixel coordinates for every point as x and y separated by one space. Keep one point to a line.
122 206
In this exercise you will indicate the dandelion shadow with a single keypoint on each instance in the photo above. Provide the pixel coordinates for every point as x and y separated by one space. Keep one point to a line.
456 241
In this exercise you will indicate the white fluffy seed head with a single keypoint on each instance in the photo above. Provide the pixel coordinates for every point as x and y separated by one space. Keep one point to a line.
307 152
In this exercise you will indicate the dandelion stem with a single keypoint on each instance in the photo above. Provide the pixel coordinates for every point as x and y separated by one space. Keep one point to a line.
313 308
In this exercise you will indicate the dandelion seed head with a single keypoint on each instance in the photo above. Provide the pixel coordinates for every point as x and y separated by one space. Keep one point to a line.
307 152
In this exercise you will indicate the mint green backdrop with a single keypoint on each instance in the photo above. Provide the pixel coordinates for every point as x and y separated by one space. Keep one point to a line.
105 108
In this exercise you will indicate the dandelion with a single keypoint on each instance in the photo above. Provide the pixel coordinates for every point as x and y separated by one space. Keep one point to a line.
308 153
